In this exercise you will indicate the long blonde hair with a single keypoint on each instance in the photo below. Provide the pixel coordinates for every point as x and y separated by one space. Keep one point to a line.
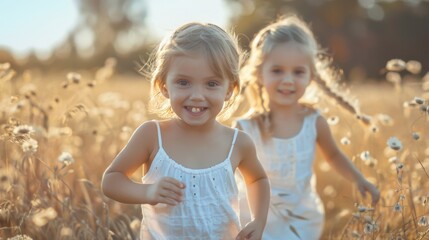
288 29
219 46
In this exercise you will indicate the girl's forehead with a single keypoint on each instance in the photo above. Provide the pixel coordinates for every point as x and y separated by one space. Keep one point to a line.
289 52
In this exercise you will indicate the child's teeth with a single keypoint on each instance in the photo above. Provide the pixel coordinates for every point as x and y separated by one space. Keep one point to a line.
195 109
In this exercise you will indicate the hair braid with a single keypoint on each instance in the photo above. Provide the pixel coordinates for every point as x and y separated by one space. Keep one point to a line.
326 79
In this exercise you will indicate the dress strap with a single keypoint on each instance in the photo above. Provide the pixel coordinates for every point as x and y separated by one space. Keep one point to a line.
159 134
233 142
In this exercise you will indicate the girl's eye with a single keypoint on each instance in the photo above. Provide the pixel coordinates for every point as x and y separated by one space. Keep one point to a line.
213 84
182 82
299 72
277 71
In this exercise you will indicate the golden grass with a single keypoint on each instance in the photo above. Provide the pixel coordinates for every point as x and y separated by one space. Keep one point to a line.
59 132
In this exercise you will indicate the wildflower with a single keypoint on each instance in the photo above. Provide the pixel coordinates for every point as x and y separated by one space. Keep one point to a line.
345 141
365 156
419 100
74 77
416 136
66 158
393 77
396 65
369 228
44 216
414 67
356 234
394 143
4 66
423 221
385 119
23 130
20 237
399 166
66 232
374 128
397 207
361 208
364 118
29 146
424 108
393 159
333 120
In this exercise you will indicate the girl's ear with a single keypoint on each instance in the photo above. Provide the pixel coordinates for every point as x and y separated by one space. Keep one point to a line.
164 91
229 93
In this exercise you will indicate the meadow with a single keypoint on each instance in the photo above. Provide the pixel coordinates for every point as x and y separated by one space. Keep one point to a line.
59 131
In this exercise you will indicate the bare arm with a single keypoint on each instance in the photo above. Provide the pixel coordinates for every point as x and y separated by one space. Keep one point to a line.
258 189
116 183
340 162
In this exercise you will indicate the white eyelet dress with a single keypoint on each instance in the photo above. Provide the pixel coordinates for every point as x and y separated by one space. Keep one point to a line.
210 207
295 207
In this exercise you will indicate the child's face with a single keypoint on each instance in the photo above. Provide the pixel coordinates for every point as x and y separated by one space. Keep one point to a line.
286 73
196 94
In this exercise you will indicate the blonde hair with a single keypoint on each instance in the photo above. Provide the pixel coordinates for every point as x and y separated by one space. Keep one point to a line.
221 49
287 29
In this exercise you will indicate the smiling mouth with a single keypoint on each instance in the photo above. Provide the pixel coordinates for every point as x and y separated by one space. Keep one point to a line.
195 109
285 91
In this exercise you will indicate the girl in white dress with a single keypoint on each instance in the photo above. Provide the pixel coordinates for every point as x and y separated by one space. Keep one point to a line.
188 190
284 60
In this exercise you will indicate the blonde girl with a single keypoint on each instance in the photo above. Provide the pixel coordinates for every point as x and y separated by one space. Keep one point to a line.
284 60
188 190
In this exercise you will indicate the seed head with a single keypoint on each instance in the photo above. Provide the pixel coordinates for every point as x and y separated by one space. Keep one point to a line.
414 67
397 207
396 65
66 158
74 77
423 221
23 130
394 144
419 100
416 136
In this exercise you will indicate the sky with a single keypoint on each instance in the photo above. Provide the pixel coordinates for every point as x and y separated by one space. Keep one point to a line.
40 25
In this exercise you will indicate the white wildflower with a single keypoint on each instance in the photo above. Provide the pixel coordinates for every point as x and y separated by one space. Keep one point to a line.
23 130
394 143
423 221
397 207
396 65
66 158
333 120
345 141
29 146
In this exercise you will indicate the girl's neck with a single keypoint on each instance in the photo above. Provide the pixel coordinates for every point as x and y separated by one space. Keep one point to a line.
199 129
286 112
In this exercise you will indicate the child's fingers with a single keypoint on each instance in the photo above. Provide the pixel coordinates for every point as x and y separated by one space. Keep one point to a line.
375 196
244 234
174 182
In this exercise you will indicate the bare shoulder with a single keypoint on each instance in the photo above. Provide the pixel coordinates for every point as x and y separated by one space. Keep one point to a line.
244 142
148 128
145 137
323 129
308 109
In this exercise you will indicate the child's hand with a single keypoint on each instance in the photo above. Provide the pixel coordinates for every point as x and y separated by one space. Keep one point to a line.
365 186
252 231
167 190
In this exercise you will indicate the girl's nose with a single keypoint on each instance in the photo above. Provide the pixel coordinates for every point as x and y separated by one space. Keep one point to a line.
287 79
196 94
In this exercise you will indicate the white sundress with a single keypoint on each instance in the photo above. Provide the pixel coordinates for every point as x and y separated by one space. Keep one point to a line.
296 211
210 207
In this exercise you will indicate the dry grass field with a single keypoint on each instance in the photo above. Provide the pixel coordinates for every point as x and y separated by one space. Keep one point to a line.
59 131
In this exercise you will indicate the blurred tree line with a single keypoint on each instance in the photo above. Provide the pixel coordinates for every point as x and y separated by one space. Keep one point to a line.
361 35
